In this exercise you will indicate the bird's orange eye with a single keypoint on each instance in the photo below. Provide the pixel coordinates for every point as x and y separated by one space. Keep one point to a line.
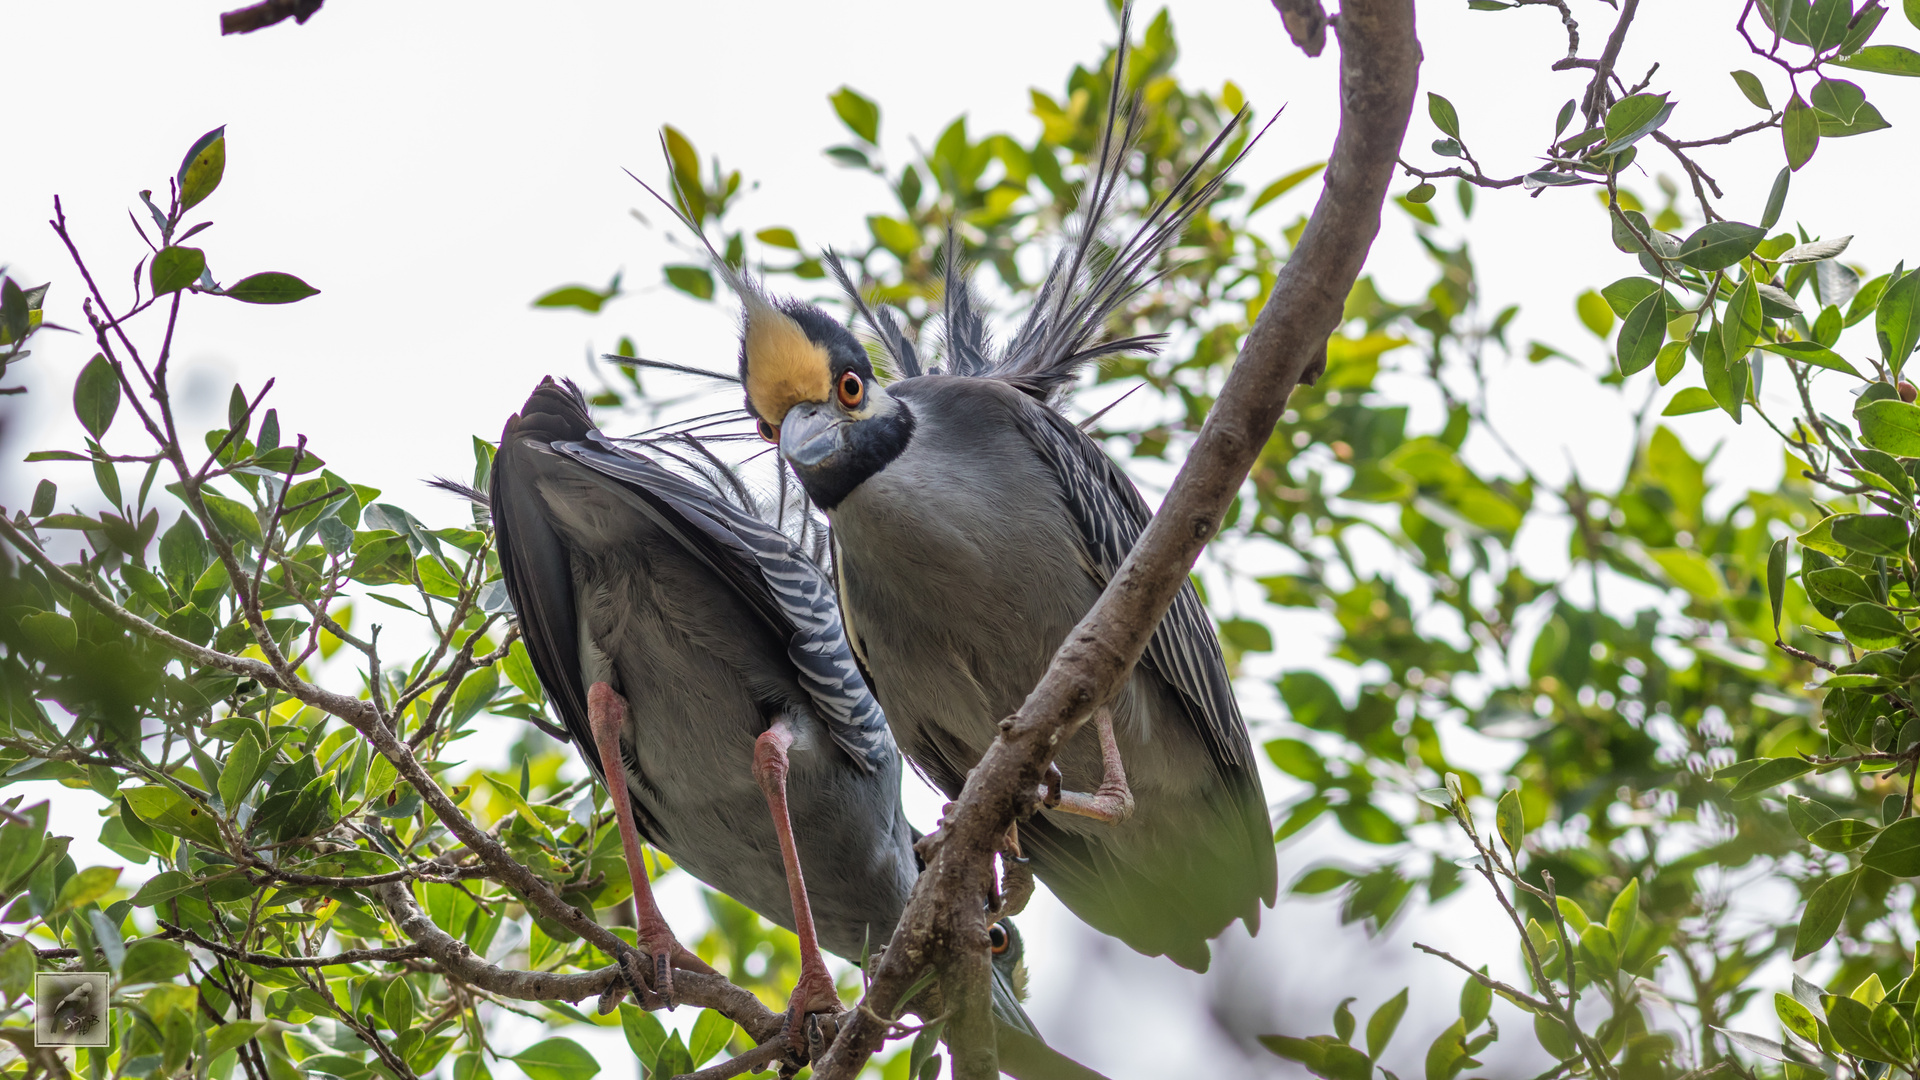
852 390
998 939
768 431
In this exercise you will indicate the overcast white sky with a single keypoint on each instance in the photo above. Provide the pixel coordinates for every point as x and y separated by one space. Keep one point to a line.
434 167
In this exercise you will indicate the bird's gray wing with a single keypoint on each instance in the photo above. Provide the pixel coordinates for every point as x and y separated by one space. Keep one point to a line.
1111 515
774 577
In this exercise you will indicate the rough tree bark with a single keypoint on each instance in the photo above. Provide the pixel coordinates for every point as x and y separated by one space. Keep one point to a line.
945 920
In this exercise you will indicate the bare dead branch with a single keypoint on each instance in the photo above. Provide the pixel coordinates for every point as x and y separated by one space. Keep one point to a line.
264 14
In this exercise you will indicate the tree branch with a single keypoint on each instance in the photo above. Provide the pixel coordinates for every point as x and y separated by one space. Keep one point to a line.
264 14
695 988
351 956
1379 62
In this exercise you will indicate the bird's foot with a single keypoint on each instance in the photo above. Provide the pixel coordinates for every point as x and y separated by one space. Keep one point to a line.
1016 884
813 997
1109 803
1049 793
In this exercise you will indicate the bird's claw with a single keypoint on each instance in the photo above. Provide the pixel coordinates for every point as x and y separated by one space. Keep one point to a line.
1016 884
1050 787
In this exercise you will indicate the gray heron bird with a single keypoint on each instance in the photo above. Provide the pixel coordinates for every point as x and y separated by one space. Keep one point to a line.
973 525
697 649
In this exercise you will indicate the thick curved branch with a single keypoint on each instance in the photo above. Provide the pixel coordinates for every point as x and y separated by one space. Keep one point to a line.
1379 62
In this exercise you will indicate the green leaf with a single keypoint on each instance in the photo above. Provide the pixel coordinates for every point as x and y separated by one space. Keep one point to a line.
695 281
861 116
1285 184
1364 821
153 961
645 1034
1574 915
1633 118
1896 323
1825 909
579 296
1422 192
96 396
1625 913
169 811
1882 60
1749 84
1871 626
164 885
1447 1054
1741 321
231 1035
1728 385
711 1033
44 494
202 168
1844 834
1896 852
1797 1018
1476 1001
1720 244
1690 400
17 962
557 1059
1800 132
1383 1022
1892 425
396 1006
85 887
175 268
1511 822
1875 534
1642 332
1443 114
780 238
1691 571
1852 1025
1777 580
1771 774
270 287
1595 312
899 237
1809 352
236 521
244 765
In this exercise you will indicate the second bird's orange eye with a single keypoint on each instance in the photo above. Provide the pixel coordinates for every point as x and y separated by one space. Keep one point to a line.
998 939
768 431
852 390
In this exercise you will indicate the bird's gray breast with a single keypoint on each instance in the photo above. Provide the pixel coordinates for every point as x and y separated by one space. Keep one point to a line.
961 569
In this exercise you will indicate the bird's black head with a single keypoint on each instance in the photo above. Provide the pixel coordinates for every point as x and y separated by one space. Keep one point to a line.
812 391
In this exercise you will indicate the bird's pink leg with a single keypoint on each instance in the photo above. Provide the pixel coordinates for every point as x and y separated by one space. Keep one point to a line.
607 717
814 992
1112 802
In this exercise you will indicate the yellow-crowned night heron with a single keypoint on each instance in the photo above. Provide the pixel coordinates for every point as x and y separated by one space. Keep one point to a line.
974 525
696 646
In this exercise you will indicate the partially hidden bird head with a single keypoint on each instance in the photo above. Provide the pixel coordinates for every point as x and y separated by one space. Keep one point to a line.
812 392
